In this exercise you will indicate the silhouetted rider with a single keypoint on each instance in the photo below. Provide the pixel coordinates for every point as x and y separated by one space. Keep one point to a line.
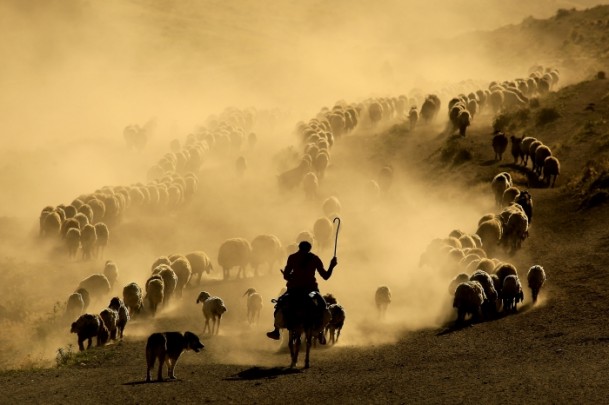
300 275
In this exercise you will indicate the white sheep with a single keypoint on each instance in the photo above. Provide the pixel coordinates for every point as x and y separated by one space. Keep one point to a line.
213 309
75 305
234 252
73 241
490 233
97 285
88 239
382 299
331 207
103 235
499 184
536 277
170 281
199 264
111 272
254 305
266 249
322 230
181 267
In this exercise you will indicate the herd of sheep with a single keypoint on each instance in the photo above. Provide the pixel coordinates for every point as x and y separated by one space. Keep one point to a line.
482 285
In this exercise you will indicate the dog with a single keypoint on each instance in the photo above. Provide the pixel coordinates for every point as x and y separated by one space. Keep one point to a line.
167 347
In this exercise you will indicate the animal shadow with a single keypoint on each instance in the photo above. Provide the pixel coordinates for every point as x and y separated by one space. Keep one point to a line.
258 373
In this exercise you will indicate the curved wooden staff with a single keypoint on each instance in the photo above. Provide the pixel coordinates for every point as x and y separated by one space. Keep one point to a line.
336 238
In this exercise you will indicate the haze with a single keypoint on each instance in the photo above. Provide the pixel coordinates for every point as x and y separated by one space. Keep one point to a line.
75 73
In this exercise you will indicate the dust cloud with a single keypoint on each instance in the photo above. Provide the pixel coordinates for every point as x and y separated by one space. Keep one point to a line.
75 73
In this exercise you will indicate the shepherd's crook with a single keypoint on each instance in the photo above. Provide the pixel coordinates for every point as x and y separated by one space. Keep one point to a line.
337 229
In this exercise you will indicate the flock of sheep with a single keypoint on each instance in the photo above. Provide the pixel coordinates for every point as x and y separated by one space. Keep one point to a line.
482 285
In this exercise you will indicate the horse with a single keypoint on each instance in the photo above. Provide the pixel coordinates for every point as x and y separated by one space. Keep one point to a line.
302 315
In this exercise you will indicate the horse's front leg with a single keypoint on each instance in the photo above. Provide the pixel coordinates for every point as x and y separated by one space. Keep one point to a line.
293 350
309 337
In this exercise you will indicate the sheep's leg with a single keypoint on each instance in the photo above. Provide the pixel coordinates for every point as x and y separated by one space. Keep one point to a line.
159 376
171 365
218 327
81 347
150 359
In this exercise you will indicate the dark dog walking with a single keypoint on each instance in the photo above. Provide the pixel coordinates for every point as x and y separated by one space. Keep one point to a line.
167 347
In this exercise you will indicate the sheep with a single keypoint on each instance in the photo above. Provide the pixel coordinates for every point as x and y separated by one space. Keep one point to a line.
515 230
50 224
511 293
490 232
88 239
499 184
111 272
516 148
266 249
99 209
385 178
170 281
159 261
524 149
103 234
97 286
525 200
413 117
132 297
536 277
551 170
67 224
110 318
322 230
500 143
430 107
541 153
469 297
382 299
199 264
73 241
509 196
155 293
291 178
489 307
467 241
459 278
121 309
213 308
502 270
234 252
82 220
183 271
532 149
310 184
486 265
331 207
75 305
87 327
254 305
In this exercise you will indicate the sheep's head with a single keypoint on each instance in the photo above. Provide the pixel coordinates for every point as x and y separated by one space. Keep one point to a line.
250 291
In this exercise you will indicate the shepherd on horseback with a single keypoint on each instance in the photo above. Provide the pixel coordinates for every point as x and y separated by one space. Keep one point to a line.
299 273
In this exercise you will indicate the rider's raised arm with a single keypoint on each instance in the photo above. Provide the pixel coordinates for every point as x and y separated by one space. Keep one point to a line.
325 274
